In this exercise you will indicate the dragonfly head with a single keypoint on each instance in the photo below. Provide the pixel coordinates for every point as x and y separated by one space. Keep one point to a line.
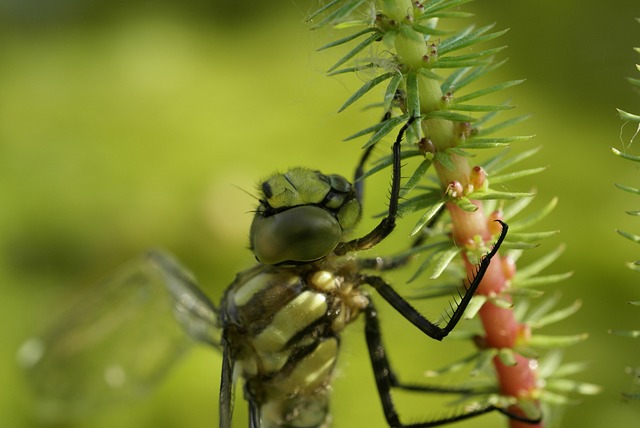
302 216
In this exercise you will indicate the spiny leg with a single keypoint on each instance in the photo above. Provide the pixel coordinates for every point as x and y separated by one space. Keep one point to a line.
386 380
385 377
390 263
416 318
399 101
386 226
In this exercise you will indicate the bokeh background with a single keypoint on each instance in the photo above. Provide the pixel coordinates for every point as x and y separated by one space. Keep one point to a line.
129 125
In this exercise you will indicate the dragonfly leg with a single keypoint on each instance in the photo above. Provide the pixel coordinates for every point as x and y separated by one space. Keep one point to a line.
390 263
358 182
386 226
416 318
386 380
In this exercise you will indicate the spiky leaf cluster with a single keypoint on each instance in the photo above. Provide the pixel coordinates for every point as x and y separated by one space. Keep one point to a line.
461 51
634 119
451 64
455 59
635 265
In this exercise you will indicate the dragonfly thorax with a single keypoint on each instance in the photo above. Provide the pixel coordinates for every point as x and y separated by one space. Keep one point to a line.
282 325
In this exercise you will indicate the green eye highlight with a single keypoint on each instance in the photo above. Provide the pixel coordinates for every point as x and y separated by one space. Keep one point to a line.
300 234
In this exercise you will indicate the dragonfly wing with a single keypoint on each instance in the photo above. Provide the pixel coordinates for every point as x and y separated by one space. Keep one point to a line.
191 307
226 389
118 339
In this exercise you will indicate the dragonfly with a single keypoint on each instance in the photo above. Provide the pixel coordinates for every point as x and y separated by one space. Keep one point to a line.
278 324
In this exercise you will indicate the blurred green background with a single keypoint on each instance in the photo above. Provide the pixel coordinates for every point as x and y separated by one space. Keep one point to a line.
129 125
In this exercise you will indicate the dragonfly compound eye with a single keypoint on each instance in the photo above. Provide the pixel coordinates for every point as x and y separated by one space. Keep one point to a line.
299 234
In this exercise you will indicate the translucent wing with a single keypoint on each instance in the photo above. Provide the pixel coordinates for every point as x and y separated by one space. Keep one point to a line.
226 390
119 339
191 307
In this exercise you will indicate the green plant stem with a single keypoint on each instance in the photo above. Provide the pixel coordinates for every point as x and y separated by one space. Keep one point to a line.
501 329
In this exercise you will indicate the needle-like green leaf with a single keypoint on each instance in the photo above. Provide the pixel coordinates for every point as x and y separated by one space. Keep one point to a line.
426 217
349 38
504 178
353 52
385 129
482 92
366 88
338 14
625 155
